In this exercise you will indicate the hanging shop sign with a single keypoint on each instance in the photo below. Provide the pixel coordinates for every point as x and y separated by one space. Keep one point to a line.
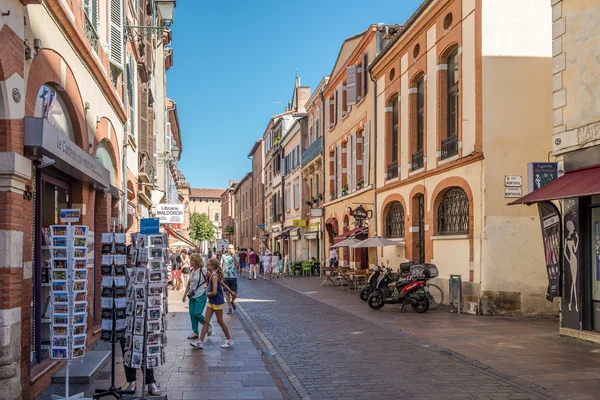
540 173
300 223
360 214
316 212
150 226
170 213
314 227
550 221
260 226
42 139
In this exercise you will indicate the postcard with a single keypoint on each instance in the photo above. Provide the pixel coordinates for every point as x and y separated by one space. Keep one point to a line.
119 334
59 353
154 301
78 351
59 331
106 313
153 361
138 343
107 292
156 276
60 264
120 270
136 359
120 302
60 341
107 259
80 230
79 285
80 307
107 270
107 248
80 242
138 327
121 248
156 240
154 350
80 296
59 286
107 324
59 253
142 255
58 230
60 320
80 264
107 237
80 252
139 310
120 238
120 281
59 275
79 330
155 289
153 314
127 356
59 242
121 292
140 291
61 297
155 265
106 302
154 326
79 340
58 309
80 275
156 253
154 338
120 313
140 275
107 281
120 259
79 319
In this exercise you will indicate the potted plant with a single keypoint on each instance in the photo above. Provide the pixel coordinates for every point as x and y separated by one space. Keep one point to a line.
321 196
308 203
360 184
345 190
314 200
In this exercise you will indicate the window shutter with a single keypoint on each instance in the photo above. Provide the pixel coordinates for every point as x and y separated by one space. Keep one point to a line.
115 36
340 98
366 151
327 114
364 77
339 169
90 7
144 137
151 136
335 107
353 164
351 96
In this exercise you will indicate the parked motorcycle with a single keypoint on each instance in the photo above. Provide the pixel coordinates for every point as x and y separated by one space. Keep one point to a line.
371 284
405 292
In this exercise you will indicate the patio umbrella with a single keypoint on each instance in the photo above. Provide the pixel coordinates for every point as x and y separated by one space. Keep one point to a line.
346 243
179 243
375 241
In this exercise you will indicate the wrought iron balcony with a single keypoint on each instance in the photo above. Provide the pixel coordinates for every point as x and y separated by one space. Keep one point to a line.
90 32
392 170
313 151
449 147
418 160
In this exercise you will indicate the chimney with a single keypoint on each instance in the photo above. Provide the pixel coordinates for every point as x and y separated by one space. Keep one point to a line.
303 94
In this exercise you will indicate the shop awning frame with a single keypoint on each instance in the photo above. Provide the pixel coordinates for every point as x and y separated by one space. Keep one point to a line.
578 182
178 236
350 233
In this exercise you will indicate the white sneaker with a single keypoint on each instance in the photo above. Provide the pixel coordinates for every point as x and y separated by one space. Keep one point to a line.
228 343
198 344
209 331
130 386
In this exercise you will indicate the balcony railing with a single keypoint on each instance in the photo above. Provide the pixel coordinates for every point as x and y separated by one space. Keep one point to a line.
449 147
418 160
392 170
313 151
90 32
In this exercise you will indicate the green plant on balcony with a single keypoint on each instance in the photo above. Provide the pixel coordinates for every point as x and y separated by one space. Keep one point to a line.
321 196
314 200
277 141
360 184
308 203
345 190
229 230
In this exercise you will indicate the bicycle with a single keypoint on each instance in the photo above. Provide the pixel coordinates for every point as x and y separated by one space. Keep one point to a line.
435 295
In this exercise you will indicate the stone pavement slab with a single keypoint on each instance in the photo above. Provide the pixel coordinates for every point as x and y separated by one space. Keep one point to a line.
239 372
528 348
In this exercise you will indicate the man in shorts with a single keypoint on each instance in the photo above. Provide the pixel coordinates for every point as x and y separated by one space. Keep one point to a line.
228 266
243 257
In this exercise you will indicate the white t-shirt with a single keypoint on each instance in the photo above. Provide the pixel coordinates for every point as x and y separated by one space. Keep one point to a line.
194 277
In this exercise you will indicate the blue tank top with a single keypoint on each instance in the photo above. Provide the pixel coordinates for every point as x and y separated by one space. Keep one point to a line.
218 298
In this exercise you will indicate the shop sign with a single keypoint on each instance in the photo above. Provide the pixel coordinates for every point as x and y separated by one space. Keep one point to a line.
70 215
510 192
550 220
360 214
150 226
260 226
300 223
572 265
540 174
170 213
314 227
222 244
316 212
70 158
513 181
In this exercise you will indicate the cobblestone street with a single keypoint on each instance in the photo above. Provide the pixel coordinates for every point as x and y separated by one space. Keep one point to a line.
334 354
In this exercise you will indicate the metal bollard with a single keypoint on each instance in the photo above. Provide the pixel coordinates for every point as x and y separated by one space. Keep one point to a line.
455 284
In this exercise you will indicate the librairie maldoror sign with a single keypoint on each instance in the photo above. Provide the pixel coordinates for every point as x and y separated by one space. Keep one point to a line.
170 213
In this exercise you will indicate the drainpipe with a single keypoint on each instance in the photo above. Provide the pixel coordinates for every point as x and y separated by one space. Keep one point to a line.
375 152
252 201
322 180
125 131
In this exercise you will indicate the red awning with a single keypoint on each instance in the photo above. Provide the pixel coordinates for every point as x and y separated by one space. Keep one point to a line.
173 233
350 233
575 183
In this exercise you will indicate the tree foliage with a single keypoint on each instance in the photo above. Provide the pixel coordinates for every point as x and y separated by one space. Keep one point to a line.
201 228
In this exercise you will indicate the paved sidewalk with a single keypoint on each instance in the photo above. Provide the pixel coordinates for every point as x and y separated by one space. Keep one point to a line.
213 373
526 348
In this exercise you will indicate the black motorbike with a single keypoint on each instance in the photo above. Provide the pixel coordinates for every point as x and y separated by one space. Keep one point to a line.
404 292
371 284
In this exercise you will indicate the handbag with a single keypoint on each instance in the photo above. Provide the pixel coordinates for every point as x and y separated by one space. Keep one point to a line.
192 293
185 270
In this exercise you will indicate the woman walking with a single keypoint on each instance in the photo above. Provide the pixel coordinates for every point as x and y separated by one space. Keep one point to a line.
253 260
266 261
185 268
195 290
216 304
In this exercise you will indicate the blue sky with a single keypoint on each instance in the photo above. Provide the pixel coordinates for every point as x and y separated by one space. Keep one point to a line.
235 60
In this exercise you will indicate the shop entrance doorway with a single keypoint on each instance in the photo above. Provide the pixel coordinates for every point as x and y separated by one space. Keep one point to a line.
595 261
53 193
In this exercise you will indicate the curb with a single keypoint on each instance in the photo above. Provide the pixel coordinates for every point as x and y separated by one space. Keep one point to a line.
526 385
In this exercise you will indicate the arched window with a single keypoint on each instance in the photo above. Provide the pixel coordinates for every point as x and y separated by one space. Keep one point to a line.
394 132
50 105
394 221
453 212
418 143
217 217
104 158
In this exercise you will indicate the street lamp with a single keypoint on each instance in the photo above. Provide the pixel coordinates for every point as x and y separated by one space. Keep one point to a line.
175 152
166 9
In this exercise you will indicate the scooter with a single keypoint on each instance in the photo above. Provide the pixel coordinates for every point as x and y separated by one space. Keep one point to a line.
405 292
366 290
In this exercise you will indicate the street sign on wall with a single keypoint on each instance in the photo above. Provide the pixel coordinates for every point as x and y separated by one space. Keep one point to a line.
170 213
540 174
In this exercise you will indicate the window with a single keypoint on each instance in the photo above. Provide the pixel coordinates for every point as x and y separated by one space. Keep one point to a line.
216 217
394 221
310 136
131 94
317 129
449 146
344 100
50 105
420 113
90 22
453 213
295 189
394 157
317 190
